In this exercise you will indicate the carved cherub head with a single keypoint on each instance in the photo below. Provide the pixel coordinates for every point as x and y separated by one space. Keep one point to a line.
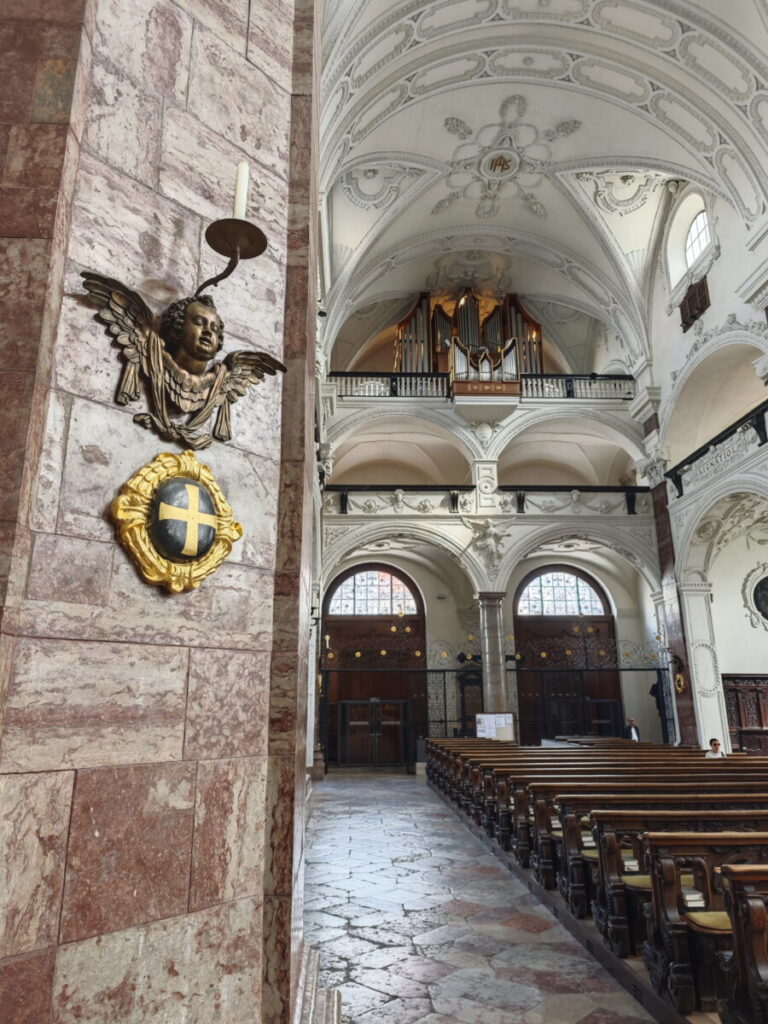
193 332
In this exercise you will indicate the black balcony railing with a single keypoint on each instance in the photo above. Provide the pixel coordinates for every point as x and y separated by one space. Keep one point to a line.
521 490
455 490
579 385
392 385
756 419
452 490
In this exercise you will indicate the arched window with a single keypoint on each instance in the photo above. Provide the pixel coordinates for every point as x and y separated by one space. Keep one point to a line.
698 238
372 592
559 593
690 242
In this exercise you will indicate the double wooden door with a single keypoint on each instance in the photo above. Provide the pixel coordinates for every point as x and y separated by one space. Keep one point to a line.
372 733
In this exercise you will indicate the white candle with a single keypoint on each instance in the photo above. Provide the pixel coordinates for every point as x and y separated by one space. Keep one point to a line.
241 191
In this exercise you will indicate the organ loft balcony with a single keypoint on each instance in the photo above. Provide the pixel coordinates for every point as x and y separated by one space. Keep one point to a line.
485 358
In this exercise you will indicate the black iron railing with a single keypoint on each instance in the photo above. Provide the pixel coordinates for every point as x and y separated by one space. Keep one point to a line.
452 490
755 419
521 490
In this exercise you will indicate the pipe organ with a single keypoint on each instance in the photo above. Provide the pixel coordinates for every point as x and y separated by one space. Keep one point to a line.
481 354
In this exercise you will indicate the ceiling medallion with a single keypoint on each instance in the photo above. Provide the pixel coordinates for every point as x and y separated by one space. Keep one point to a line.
505 160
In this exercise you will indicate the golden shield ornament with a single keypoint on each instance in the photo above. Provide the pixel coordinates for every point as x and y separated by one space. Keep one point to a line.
174 521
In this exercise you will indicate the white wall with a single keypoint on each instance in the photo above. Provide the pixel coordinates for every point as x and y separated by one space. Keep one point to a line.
741 647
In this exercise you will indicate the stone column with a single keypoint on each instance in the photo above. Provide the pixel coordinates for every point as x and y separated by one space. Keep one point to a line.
702 679
492 647
653 470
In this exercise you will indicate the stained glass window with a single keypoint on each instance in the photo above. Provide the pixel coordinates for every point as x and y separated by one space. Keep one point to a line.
372 592
559 593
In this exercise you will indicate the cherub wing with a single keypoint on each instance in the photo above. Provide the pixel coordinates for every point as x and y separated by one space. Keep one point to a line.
234 376
247 368
129 322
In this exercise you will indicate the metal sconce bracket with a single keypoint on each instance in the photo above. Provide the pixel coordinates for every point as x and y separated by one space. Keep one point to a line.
237 240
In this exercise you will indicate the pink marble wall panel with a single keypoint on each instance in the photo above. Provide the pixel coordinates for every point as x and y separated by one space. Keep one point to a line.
197 171
227 19
38 68
193 969
227 706
26 985
70 570
125 230
150 40
235 607
283 721
123 120
229 831
25 264
280 810
86 704
254 110
45 504
270 39
129 848
34 817
280 973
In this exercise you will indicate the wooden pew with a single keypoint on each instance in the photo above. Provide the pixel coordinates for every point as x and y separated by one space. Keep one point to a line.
533 832
543 798
681 951
623 889
745 888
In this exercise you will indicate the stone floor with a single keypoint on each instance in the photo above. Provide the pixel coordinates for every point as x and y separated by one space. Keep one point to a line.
418 924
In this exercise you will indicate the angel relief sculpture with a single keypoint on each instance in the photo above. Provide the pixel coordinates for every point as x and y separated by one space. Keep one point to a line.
174 354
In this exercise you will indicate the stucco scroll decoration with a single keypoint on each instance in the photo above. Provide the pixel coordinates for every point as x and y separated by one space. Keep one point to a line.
756 616
621 192
376 188
504 160
174 521
172 355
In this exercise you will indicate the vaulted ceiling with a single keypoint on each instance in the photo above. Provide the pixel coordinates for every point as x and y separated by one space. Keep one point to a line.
531 146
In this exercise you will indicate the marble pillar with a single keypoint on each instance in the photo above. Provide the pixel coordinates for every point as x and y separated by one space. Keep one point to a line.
492 648
673 618
152 748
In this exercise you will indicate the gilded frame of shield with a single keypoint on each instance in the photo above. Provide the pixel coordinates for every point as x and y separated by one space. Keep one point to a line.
131 512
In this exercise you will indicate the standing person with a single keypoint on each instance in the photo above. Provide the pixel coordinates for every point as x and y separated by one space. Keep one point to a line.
631 732
715 749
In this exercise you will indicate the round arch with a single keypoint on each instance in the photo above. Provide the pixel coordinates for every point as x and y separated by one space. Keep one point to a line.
440 424
720 375
639 552
571 570
610 427
349 542
410 585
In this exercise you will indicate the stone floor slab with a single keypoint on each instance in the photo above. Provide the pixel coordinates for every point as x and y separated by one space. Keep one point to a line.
418 924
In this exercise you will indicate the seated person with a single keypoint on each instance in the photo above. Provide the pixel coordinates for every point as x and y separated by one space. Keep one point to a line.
715 750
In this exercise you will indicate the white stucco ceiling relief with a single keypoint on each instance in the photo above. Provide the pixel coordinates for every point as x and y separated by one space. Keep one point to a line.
548 133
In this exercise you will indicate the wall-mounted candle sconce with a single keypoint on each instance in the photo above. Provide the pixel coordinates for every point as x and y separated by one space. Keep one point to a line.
234 237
